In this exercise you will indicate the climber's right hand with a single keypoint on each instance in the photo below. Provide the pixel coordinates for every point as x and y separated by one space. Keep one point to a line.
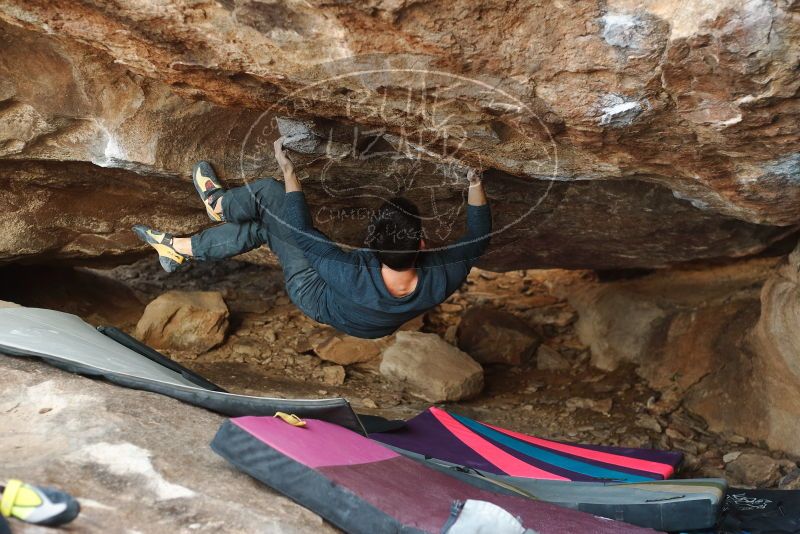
473 176
280 156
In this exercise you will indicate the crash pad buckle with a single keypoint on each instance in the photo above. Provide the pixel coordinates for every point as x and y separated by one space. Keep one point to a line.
290 418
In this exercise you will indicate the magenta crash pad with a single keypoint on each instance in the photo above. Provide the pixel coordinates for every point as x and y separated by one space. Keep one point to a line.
362 486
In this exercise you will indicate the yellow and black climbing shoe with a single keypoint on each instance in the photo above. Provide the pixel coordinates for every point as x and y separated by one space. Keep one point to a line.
208 187
171 260
37 505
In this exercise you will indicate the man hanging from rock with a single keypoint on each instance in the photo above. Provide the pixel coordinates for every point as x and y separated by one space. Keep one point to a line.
366 293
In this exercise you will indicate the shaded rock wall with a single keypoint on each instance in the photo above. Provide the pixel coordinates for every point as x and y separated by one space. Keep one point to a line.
615 134
723 341
776 340
78 212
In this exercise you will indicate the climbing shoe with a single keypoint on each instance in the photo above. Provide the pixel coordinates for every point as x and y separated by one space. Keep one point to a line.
208 187
171 260
36 505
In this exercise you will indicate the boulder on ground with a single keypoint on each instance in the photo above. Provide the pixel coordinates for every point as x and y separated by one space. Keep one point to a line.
559 315
753 469
414 324
184 320
492 336
432 368
775 373
648 422
333 375
548 359
791 481
345 350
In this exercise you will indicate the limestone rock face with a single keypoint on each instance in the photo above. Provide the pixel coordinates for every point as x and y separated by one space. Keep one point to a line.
613 134
492 336
432 368
184 320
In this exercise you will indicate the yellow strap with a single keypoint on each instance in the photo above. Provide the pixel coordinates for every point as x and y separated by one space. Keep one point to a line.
290 418
9 496
164 250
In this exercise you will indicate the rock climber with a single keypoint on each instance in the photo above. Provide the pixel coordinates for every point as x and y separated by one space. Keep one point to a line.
368 292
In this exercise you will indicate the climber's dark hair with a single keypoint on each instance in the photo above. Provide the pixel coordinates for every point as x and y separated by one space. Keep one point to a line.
395 233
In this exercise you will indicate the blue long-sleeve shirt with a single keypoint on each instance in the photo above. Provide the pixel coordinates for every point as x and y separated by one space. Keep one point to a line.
355 299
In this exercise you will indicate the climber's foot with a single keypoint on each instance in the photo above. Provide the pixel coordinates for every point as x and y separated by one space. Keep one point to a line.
171 260
209 188
37 505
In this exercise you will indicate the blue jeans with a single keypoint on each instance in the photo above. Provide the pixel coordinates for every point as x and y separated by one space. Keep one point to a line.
254 215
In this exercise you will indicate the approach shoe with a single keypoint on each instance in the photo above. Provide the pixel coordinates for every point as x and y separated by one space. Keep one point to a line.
37 505
171 260
208 187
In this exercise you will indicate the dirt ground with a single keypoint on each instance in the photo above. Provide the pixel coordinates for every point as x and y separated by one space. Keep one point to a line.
268 352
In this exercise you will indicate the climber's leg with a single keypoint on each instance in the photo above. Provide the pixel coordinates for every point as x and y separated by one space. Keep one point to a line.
255 215
170 258
223 241
261 200
249 202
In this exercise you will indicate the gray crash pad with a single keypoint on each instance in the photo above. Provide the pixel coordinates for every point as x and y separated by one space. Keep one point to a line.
68 342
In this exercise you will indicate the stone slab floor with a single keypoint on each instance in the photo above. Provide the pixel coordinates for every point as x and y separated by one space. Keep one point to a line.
138 462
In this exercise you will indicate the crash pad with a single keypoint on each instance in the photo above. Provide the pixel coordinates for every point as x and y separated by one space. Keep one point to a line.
68 342
362 486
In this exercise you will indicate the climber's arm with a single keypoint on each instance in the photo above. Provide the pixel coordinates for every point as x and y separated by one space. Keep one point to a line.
290 181
324 256
476 195
479 224
331 262
457 259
